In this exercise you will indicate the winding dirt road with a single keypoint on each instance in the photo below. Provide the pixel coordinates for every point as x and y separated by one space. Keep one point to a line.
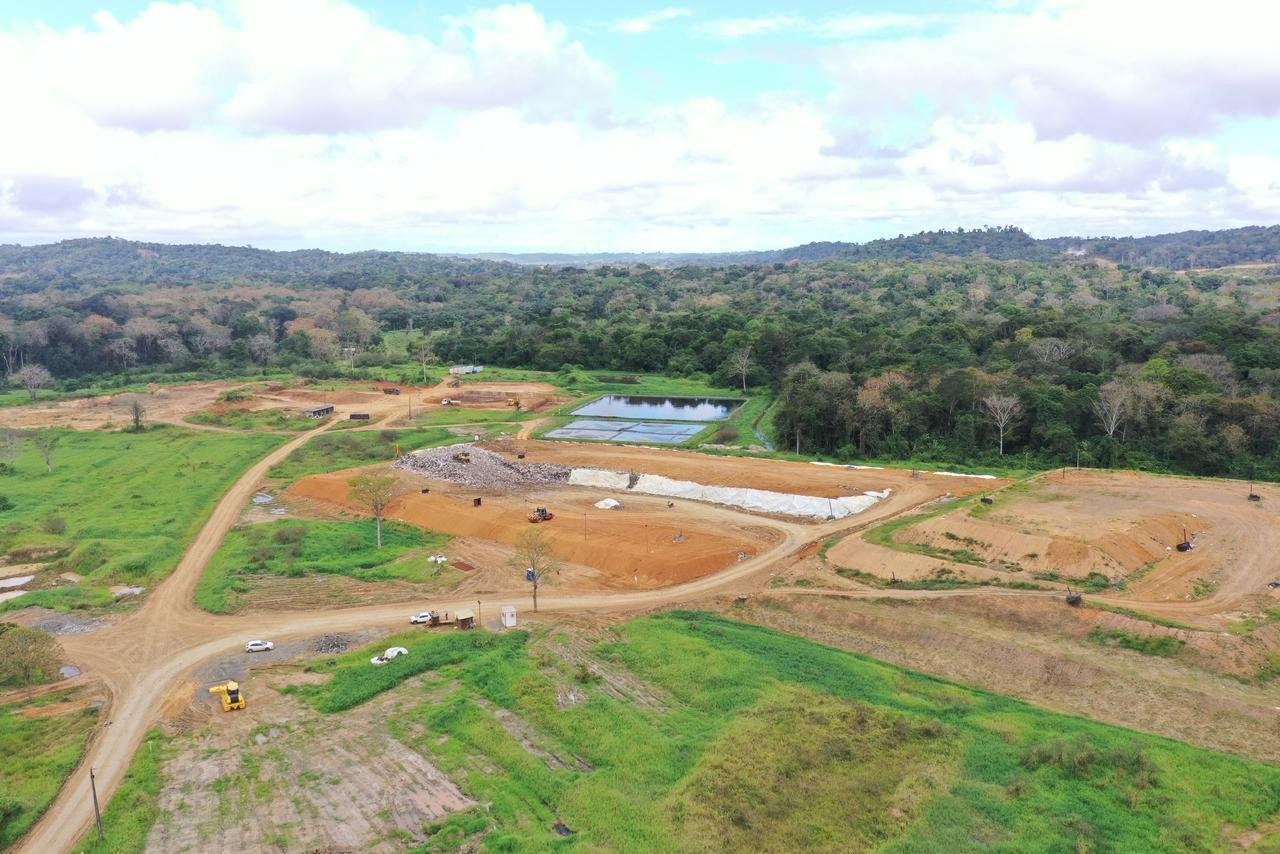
142 657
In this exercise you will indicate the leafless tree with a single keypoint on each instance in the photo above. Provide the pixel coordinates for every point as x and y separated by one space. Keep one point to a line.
375 493
1003 409
534 557
740 365
261 347
34 377
1052 352
9 444
424 353
136 413
1111 405
46 444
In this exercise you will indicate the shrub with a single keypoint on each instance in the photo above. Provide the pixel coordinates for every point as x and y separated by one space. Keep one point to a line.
55 525
5 503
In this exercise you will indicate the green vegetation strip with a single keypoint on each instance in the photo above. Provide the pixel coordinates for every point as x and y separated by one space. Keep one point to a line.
118 508
261 419
297 548
38 754
134 808
718 735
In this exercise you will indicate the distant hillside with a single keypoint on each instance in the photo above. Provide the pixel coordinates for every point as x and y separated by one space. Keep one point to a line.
1180 251
113 260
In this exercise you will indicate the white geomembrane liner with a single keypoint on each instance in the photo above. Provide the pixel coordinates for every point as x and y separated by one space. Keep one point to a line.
759 500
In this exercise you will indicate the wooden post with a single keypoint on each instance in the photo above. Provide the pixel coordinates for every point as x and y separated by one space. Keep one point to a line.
93 787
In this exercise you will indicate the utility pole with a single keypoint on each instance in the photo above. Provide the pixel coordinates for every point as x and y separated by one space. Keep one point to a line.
479 619
93 787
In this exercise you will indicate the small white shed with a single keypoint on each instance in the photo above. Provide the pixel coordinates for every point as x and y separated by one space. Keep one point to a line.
509 616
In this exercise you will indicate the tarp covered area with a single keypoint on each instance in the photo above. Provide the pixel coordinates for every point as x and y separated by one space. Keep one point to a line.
758 500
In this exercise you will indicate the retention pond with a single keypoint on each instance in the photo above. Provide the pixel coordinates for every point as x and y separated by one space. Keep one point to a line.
660 408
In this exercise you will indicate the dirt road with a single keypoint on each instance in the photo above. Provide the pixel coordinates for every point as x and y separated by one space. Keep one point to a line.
140 659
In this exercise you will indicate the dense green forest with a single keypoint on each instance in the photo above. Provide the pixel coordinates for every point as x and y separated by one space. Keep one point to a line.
947 358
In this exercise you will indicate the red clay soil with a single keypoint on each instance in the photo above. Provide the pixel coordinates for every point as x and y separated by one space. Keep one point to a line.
643 544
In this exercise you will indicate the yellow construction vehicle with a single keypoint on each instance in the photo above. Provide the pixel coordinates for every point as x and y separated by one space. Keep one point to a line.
463 456
541 514
232 697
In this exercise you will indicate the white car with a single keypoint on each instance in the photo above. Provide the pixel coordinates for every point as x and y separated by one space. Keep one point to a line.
259 646
424 618
393 652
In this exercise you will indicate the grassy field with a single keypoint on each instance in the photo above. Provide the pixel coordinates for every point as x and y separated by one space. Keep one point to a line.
38 754
133 808
300 547
261 419
357 448
458 415
117 507
691 732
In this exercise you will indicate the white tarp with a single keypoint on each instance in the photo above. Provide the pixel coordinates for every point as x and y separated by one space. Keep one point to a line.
759 500
600 478
608 504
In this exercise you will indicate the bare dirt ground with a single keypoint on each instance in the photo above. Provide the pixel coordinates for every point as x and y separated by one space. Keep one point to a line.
277 775
1123 525
1024 642
163 403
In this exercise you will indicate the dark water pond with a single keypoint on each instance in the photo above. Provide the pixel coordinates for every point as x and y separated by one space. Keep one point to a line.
661 408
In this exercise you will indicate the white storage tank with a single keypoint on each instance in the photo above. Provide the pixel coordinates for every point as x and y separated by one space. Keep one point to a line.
508 616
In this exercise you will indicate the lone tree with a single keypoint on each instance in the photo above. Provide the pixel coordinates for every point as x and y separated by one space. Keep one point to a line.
740 365
424 354
1110 406
33 378
533 556
136 413
46 444
375 493
27 656
1004 410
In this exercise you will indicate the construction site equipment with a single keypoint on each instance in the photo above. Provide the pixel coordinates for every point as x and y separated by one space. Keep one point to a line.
358 416
391 391
541 514
513 401
463 456
232 696
986 499
1253 496
449 401
1186 545
1074 599
475 502
456 384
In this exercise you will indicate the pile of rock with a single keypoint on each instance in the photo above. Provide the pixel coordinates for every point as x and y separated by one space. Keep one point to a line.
330 644
486 470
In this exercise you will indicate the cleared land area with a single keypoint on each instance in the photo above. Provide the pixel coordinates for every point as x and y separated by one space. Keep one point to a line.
680 732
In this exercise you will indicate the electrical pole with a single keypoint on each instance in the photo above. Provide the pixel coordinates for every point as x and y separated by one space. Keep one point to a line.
93 787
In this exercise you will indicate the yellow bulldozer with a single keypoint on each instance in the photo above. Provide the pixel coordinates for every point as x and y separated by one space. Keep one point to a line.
232 696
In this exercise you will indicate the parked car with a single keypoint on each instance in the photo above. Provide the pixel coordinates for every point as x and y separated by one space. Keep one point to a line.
259 646
1274 585
419 619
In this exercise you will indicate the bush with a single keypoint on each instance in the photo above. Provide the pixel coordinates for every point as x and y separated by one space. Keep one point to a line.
5 503
728 434
55 525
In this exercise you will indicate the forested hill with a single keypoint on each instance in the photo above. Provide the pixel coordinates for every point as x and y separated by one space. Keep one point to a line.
107 260
111 260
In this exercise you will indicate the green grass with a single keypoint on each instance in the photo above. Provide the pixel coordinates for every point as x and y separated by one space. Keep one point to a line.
297 548
127 818
1139 615
128 504
459 415
753 739
260 419
1165 646
1255 621
326 453
38 754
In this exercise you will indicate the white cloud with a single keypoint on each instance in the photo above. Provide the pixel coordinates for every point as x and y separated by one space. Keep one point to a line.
292 123
646 23
833 27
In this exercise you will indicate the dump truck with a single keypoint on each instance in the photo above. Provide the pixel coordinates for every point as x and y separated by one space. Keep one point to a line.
232 696
541 514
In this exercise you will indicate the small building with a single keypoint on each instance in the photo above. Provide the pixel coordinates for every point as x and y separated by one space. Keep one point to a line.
458 370
466 619
509 616
358 416
319 411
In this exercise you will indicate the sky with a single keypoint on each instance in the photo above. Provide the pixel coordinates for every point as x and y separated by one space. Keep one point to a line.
632 126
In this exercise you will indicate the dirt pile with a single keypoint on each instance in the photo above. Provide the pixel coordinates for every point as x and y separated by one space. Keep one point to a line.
486 469
330 644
